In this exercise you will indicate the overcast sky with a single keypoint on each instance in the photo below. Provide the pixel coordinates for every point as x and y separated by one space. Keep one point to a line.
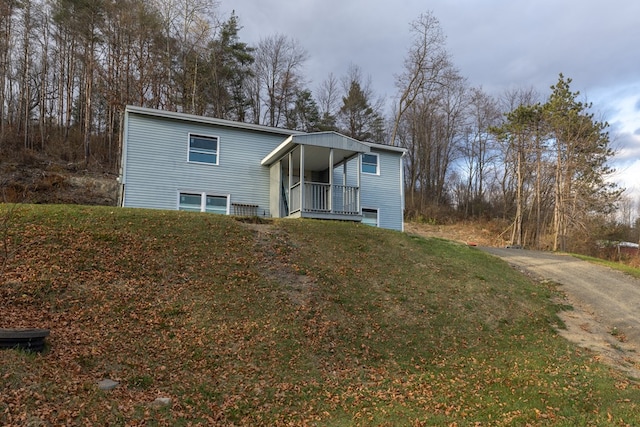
496 44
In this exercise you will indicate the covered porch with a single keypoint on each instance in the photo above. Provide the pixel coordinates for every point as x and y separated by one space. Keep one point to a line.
316 176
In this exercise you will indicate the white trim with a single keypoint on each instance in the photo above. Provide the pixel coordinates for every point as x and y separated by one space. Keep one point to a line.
125 146
271 157
402 194
122 176
301 173
385 147
377 210
198 134
331 187
377 163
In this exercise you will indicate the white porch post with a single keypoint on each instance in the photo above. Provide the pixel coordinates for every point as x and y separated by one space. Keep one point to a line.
302 189
331 180
359 166
344 173
290 182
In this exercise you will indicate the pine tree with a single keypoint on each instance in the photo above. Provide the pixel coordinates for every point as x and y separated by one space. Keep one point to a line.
581 148
230 63
360 120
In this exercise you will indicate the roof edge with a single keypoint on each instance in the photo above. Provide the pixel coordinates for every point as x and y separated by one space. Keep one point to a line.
208 120
386 147
174 115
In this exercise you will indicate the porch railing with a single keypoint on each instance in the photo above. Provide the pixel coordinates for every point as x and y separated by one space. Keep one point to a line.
346 199
294 200
318 197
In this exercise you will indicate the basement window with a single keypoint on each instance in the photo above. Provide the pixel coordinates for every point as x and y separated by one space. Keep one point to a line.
203 202
370 217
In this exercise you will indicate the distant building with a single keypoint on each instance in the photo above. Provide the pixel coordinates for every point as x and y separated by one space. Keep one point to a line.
614 249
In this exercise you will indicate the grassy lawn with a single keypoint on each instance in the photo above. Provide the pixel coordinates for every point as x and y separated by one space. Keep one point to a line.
288 322
630 270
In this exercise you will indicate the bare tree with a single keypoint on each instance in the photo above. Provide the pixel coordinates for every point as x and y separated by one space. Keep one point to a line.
524 155
45 87
328 96
477 149
432 131
68 68
424 65
7 10
278 67
25 65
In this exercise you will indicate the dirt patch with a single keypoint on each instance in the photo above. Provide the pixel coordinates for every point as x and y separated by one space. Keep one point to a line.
273 244
608 344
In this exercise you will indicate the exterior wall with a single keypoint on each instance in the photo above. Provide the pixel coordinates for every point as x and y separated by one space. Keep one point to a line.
275 182
156 167
383 192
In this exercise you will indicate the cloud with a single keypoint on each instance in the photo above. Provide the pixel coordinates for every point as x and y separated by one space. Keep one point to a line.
497 44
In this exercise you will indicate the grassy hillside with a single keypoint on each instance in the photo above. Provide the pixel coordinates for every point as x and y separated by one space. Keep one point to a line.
280 323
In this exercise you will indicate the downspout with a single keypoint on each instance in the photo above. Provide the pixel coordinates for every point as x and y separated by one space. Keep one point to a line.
402 188
290 181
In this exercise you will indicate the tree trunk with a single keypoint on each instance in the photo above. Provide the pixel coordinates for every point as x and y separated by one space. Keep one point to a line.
516 236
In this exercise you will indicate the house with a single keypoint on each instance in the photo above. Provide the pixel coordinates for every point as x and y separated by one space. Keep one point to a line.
180 161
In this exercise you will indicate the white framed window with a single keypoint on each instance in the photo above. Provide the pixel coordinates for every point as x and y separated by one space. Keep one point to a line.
203 149
370 216
216 204
371 163
190 202
203 202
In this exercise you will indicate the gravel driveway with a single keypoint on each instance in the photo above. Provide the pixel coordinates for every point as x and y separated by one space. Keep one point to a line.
606 303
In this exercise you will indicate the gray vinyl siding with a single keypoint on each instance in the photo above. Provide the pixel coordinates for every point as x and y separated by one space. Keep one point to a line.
382 192
156 167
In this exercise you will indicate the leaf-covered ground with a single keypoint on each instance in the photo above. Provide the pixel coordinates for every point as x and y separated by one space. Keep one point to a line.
280 323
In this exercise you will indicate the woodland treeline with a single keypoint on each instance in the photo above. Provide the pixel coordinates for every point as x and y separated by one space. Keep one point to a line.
69 67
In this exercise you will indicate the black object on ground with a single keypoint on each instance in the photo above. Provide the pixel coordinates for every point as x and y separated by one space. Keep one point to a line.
31 339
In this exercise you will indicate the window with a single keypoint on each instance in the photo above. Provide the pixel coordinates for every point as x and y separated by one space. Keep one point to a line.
202 202
370 216
216 204
203 149
190 202
370 164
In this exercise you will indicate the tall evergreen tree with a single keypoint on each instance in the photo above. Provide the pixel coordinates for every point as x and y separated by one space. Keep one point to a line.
229 65
359 119
582 148
304 115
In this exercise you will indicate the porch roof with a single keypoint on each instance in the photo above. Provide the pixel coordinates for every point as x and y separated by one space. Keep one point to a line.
344 146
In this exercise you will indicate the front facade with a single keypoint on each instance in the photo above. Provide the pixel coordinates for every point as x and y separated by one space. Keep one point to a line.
180 161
